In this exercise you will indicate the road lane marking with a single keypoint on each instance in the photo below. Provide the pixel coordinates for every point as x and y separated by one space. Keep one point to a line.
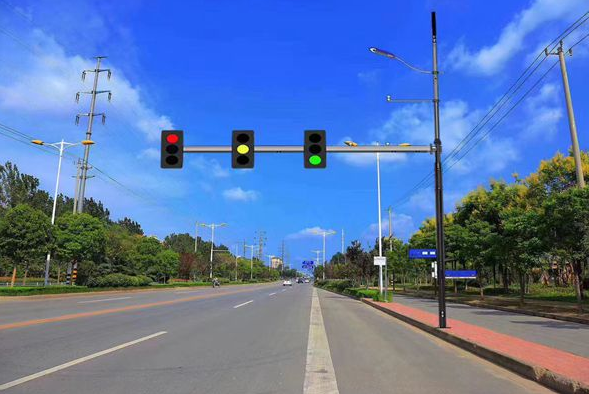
283 290
27 323
77 361
245 303
104 300
271 294
319 371
187 291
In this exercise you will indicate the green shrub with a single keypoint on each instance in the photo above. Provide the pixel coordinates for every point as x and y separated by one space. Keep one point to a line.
25 291
119 280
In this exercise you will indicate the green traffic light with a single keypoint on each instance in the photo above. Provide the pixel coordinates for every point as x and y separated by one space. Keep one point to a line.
315 160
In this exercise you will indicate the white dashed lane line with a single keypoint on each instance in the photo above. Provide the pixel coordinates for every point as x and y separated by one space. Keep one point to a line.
245 303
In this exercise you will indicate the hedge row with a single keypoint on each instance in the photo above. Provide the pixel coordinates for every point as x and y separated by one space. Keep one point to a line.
345 286
120 280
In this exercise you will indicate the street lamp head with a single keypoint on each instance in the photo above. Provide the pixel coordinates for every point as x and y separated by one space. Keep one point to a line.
37 142
350 143
382 52
389 98
88 142
405 144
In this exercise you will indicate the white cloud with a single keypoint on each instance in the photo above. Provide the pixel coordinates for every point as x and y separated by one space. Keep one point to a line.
150 153
403 227
414 124
46 84
544 112
238 194
369 78
307 232
210 167
491 59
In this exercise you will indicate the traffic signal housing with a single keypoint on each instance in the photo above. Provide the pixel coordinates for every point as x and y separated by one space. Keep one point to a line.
172 153
315 149
242 149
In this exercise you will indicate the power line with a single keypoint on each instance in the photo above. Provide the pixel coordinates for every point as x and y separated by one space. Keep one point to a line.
502 102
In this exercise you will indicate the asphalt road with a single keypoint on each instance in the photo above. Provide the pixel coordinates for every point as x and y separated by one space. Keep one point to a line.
568 336
246 339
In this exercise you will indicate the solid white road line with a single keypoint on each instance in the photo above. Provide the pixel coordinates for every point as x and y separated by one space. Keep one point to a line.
76 361
245 303
271 294
187 291
319 372
104 300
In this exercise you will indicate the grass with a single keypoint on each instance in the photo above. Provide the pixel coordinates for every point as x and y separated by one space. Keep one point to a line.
537 292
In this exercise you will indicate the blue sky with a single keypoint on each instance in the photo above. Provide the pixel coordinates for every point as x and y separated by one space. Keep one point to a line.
280 67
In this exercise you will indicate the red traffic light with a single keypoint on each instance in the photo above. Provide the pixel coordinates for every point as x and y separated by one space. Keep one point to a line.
172 138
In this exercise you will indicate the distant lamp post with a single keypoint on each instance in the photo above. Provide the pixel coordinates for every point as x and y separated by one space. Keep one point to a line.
61 147
212 226
325 233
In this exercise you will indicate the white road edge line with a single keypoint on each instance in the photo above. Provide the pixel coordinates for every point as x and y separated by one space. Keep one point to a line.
245 303
271 294
319 371
104 300
46 372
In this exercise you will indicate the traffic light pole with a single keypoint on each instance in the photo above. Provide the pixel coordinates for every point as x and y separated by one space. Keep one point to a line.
440 250
330 149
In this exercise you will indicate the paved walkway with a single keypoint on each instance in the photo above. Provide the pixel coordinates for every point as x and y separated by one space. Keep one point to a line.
567 364
567 336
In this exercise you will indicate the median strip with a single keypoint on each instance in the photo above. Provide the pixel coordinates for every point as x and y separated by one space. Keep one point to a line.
245 303
80 360
319 371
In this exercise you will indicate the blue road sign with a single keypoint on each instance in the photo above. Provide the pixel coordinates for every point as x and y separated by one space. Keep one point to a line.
308 264
422 253
461 274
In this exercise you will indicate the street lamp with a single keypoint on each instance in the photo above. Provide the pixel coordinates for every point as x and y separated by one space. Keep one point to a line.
61 147
212 226
317 253
325 233
352 143
440 250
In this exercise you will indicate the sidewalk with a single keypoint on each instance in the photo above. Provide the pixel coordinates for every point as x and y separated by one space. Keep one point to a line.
557 369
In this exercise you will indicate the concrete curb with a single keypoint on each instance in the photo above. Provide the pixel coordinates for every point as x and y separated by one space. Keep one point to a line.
504 309
554 381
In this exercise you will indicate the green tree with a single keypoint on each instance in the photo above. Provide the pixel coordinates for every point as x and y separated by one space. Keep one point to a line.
166 264
80 238
25 237
17 188
180 243
566 224
131 226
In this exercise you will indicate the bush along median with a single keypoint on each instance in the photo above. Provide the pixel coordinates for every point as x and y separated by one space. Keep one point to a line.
111 282
346 287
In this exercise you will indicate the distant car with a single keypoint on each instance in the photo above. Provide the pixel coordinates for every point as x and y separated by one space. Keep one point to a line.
287 283
306 280
300 280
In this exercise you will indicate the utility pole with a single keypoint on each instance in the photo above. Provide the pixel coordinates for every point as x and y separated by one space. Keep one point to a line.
317 252
380 284
261 239
282 257
196 237
251 259
570 113
343 241
440 252
90 115
76 192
